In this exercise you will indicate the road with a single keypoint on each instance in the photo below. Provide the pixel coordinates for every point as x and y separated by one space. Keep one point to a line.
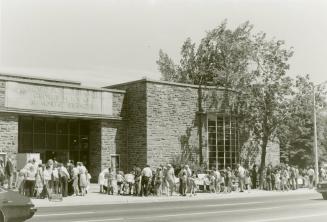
295 207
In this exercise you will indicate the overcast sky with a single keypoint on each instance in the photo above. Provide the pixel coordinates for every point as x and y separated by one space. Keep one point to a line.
102 42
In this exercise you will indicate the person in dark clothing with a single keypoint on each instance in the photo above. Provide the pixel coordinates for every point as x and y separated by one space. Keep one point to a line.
137 183
63 179
254 174
9 171
70 167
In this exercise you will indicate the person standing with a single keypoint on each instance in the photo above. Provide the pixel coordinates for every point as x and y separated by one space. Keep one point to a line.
55 179
82 178
311 174
170 178
158 181
254 174
145 181
241 177
9 171
39 181
2 173
228 179
268 178
110 176
30 181
70 167
47 179
63 178
137 181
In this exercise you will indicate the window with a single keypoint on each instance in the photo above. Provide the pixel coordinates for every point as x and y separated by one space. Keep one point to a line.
222 141
54 138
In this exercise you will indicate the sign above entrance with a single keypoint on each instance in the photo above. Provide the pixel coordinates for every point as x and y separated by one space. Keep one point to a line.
58 99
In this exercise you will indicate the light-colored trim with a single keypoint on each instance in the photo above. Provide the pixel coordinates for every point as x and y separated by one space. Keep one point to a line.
168 83
37 82
59 114
32 77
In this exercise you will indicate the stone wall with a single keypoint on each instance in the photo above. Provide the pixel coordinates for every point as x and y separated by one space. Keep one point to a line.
113 141
118 109
107 137
135 115
95 149
172 123
9 134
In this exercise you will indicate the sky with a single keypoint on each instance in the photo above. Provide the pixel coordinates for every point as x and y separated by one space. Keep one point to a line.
104 42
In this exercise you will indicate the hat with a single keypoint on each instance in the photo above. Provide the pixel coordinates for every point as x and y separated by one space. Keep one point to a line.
168 165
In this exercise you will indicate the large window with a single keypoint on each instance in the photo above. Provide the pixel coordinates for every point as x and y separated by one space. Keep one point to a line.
62 139
222 141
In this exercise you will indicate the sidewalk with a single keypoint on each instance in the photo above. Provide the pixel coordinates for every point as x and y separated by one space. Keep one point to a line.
95 198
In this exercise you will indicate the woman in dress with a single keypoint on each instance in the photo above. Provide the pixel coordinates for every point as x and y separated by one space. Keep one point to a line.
39 181
82 178
75 180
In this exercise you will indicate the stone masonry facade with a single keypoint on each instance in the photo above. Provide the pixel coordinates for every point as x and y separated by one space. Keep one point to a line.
152 122
135 117
164 122
9 134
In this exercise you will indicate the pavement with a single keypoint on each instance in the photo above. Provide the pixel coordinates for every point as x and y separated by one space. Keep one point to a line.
96 198
294 206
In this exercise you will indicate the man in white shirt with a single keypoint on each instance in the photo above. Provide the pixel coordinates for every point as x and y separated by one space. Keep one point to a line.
311 174
241 177
146 179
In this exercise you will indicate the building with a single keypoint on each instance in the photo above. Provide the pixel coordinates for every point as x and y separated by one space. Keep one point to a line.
135 123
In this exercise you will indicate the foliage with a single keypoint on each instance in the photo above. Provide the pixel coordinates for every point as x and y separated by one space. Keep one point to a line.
221 59
269 93
238 60
296 132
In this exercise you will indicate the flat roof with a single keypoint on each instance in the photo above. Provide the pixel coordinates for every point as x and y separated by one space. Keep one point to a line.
57 84
32 77
167 83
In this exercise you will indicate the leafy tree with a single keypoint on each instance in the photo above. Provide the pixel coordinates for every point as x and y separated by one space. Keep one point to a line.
237 59
269 93
296 133
221 59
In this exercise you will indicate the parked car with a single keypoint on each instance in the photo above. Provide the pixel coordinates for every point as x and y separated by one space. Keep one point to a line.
322 188
15 207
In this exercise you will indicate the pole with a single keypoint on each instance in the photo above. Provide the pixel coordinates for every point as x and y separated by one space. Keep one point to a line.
315 136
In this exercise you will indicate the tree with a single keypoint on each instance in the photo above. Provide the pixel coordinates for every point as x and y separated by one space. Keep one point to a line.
238 60
221 59
269 94
296 133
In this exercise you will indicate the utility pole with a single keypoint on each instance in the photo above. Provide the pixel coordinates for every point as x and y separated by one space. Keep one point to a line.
315 135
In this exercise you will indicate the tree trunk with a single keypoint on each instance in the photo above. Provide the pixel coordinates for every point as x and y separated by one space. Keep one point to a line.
263 157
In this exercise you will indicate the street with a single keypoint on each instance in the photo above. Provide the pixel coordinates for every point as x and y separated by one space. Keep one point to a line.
295 207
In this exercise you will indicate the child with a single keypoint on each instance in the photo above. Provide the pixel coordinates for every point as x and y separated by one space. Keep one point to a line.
212 181
88 178
277 180
192 185
120 182
110 179
184 183
20 181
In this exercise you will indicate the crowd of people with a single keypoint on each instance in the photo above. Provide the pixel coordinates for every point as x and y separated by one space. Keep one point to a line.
168 180
43 180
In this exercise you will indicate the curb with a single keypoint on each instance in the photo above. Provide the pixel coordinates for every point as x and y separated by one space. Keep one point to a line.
105 200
